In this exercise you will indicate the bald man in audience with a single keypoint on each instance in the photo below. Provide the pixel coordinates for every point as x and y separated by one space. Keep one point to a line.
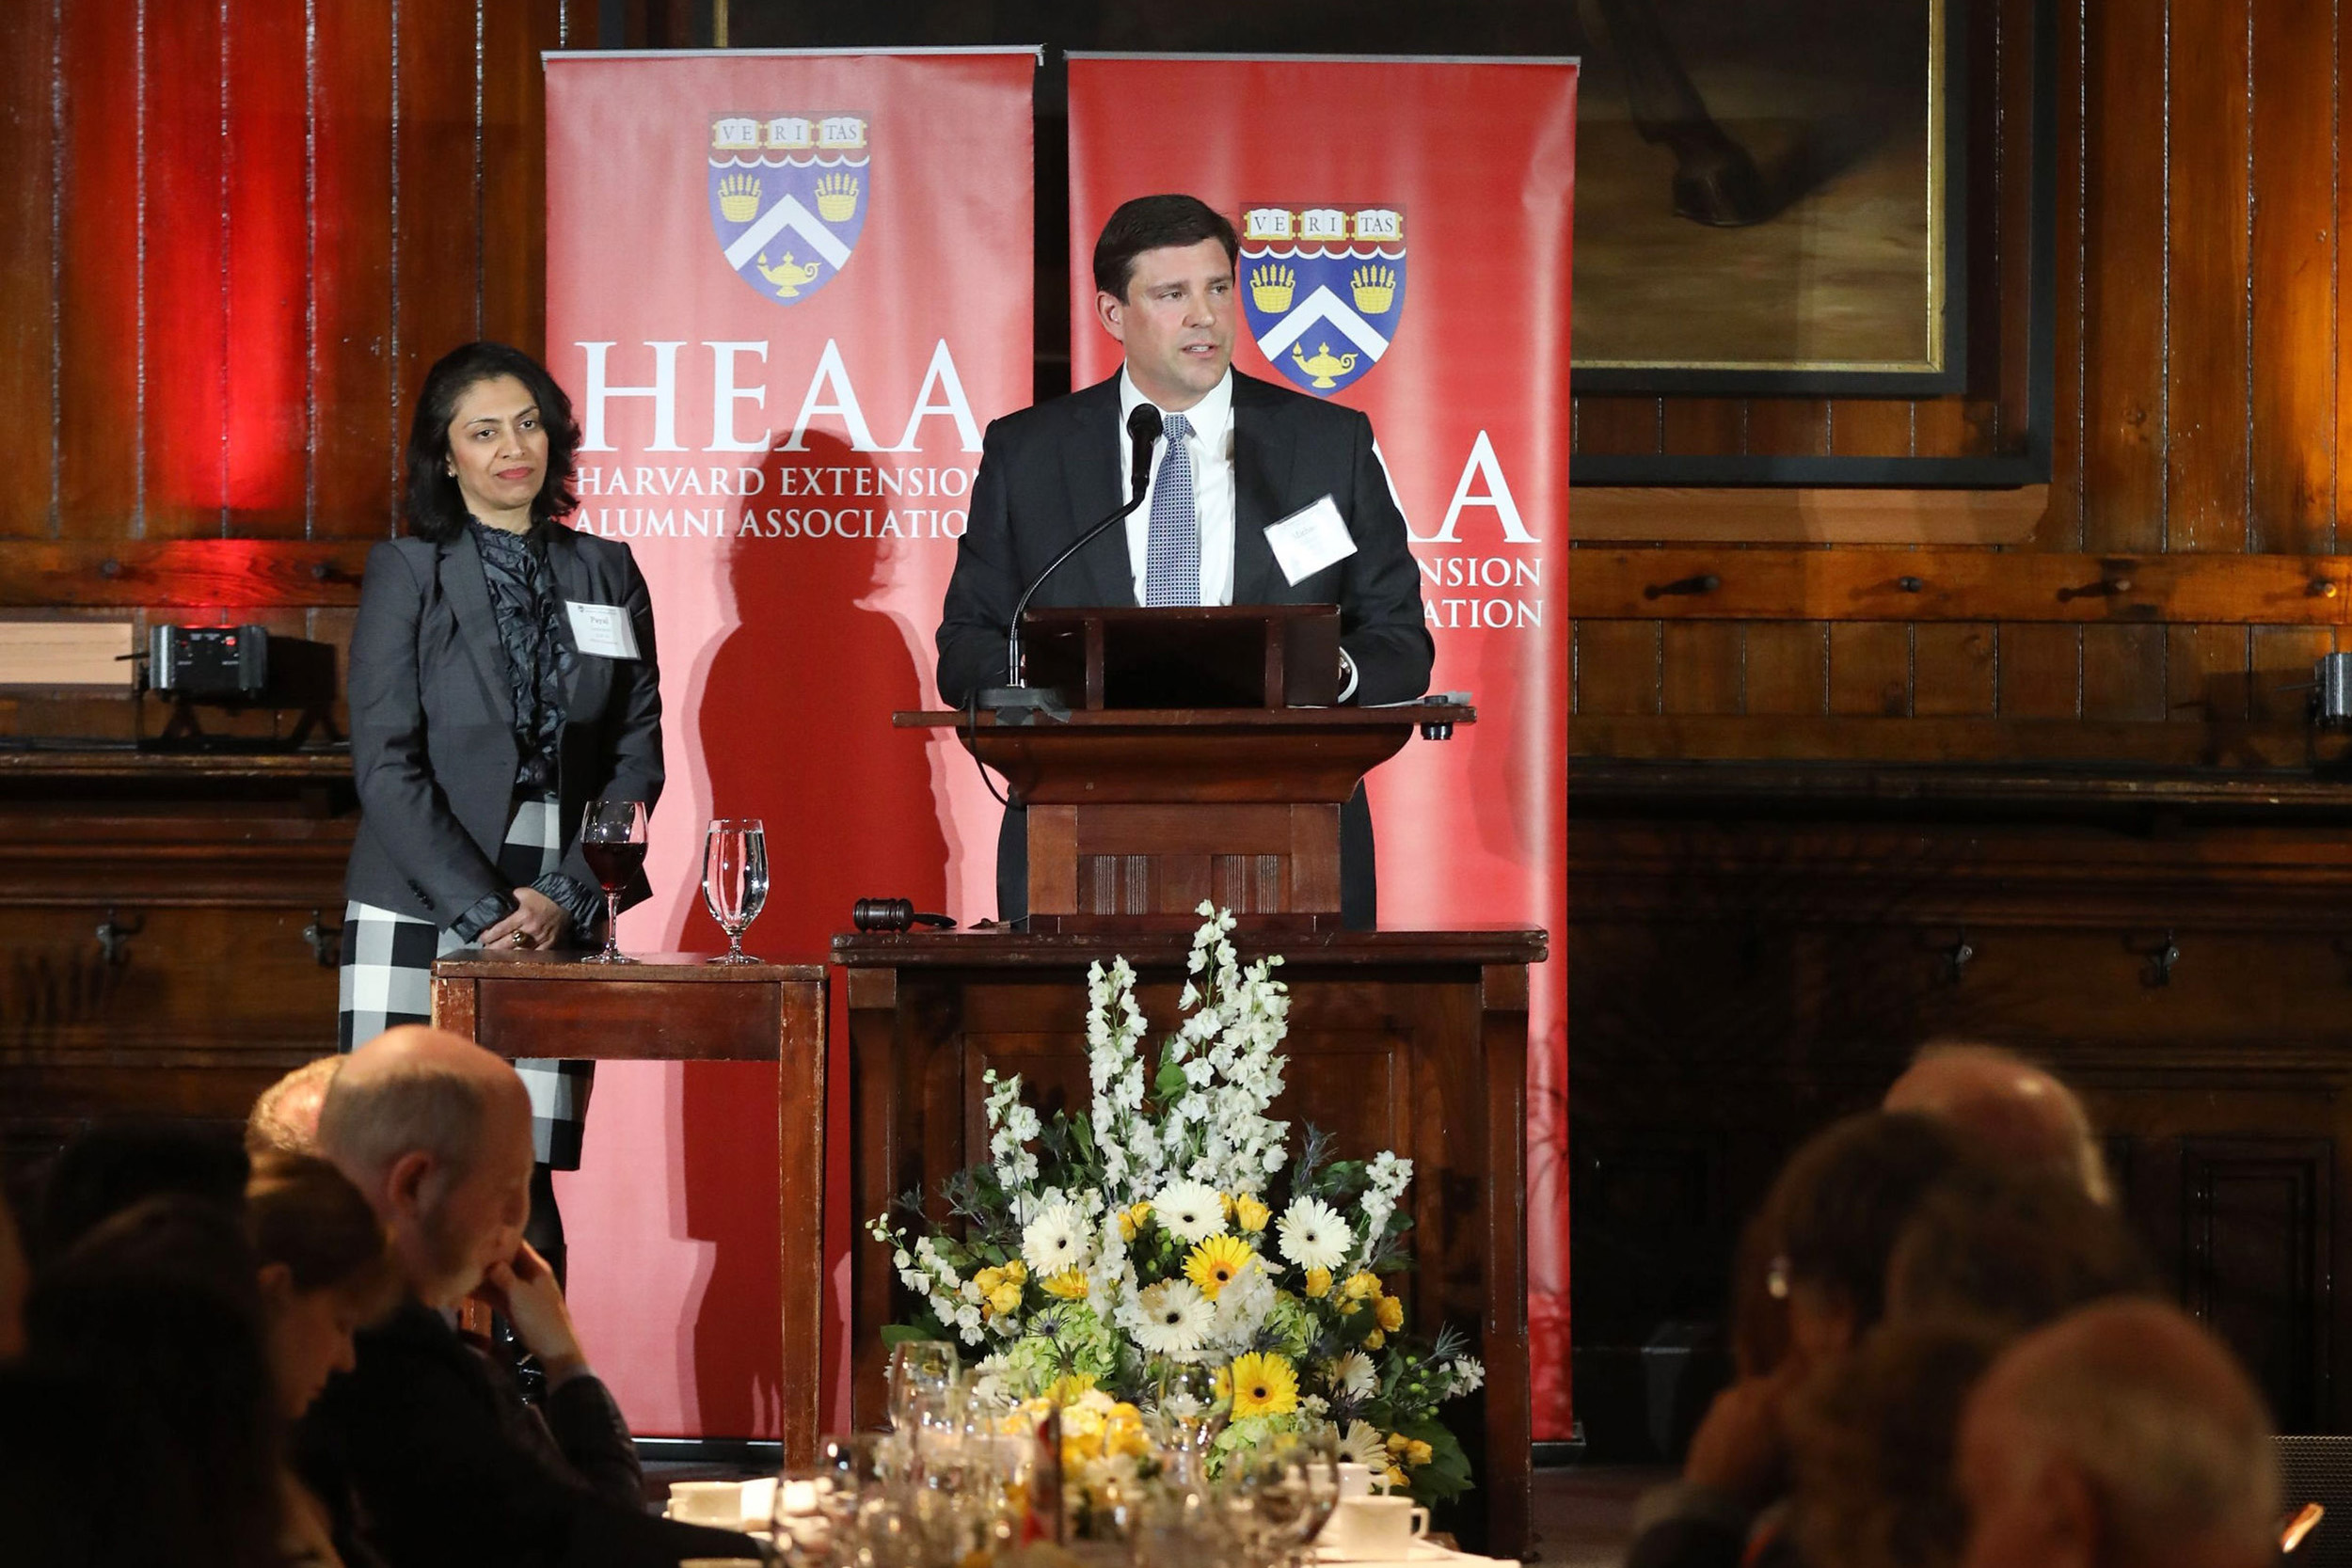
436 1132
2018 1109
2123 1436
285 1120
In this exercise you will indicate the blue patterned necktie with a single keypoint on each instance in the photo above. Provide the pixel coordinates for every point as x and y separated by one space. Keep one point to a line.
1172 571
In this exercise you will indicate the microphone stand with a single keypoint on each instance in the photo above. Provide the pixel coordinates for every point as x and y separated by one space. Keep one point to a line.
1143 433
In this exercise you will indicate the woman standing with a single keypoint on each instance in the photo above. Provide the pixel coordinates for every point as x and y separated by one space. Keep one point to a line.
502 675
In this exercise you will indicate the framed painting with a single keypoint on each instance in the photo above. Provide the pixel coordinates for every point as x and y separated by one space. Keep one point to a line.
1771 198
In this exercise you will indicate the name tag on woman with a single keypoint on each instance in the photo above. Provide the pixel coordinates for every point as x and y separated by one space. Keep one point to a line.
603 629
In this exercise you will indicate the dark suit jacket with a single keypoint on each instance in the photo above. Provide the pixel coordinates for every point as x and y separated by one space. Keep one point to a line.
421 1439
433 720
1050 472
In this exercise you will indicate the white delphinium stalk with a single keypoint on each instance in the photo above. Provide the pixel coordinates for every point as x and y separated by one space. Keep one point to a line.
1469 1374
1115 1029
1385 1179
1012 1127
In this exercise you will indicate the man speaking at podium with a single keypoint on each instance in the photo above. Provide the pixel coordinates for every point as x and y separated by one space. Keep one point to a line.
1230 467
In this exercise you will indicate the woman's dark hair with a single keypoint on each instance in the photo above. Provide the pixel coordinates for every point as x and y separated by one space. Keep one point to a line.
1843 1198
158 1312
303 1212
435 509
1153 223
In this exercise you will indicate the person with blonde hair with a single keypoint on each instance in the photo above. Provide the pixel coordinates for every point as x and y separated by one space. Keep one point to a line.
286 1116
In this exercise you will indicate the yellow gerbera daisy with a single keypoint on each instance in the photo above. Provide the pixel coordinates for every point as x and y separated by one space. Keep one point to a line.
1068 1387
1390 1313
1264 1385
1213 1264
1069 1284
1249 1213
1318 1283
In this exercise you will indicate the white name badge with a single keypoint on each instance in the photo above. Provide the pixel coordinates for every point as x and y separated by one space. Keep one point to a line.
603 629
1308 540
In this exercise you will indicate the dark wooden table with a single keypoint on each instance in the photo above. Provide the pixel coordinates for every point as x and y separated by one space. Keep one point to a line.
1413 1041
681 1007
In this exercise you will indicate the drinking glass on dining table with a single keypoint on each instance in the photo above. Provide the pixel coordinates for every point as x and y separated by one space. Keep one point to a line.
734 879
1277 1499
924 1375
612 841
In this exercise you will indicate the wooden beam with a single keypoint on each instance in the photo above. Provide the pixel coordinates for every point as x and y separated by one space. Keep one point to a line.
1796 515
1780 584
181 574
2187 743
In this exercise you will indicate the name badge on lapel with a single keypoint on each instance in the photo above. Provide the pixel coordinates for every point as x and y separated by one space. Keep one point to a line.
603 629
1308 540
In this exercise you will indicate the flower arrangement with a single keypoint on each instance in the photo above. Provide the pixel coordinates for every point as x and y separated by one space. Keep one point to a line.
1169 1226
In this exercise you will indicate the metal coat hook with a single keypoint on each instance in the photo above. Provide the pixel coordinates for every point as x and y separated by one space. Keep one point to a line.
114 936
2160 960
1706 582
1959 956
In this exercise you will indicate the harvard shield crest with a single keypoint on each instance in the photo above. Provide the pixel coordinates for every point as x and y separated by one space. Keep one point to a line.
1323 288
788 198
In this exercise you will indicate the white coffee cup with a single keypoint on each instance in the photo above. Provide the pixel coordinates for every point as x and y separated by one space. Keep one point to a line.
707 1502
1373 1530
1354 1480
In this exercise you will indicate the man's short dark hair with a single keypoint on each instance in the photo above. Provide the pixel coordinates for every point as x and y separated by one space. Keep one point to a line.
1155 223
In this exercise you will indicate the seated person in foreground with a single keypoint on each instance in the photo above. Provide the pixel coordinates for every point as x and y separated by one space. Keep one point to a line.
285 1116
435 1133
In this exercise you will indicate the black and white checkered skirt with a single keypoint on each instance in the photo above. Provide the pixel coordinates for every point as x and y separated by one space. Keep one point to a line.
387 979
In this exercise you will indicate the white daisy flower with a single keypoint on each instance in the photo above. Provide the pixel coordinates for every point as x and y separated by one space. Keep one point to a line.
1054 1240
1175 1316
1191 1210
1353 1374
1361 1443
1313 1236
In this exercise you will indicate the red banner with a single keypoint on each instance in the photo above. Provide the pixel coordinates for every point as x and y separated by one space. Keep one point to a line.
1405 250
787 292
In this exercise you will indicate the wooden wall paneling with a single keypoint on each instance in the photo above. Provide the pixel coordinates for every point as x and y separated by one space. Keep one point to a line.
2292 456
1616 666
515 172
265 420
2003 741
439 197
2124 672
1782 582
1870 668
1870 427
183 316
29 305
2257 1243
2062 524
355 437
2207 268
1706 427
101 467
1785 667
1616 427
2281 660
2039 672
2122 308
2207 672
2012 72
1699 667
2341 340
1953 669
1788 427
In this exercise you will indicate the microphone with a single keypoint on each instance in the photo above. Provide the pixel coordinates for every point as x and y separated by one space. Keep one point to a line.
1143 433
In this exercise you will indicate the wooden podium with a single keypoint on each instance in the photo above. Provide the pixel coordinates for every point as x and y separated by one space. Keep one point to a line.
681 1007
1138 812
1226 790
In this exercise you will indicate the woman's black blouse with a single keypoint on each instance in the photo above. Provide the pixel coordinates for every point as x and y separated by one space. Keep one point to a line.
538 662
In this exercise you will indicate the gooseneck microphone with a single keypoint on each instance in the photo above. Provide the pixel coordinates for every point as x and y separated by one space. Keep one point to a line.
1143 433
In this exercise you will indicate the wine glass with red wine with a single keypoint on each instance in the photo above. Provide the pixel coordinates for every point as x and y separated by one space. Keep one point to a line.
613 841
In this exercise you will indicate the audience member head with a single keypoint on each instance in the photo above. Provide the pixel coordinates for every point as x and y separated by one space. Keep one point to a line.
1833 1217
286 1116
156 1311
435 1133
326 1270
110 1167
1870 1443
15 1277
2122 1434
2012 1250
2017 1110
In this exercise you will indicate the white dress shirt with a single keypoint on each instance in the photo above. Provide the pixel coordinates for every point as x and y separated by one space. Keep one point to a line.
1210 446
